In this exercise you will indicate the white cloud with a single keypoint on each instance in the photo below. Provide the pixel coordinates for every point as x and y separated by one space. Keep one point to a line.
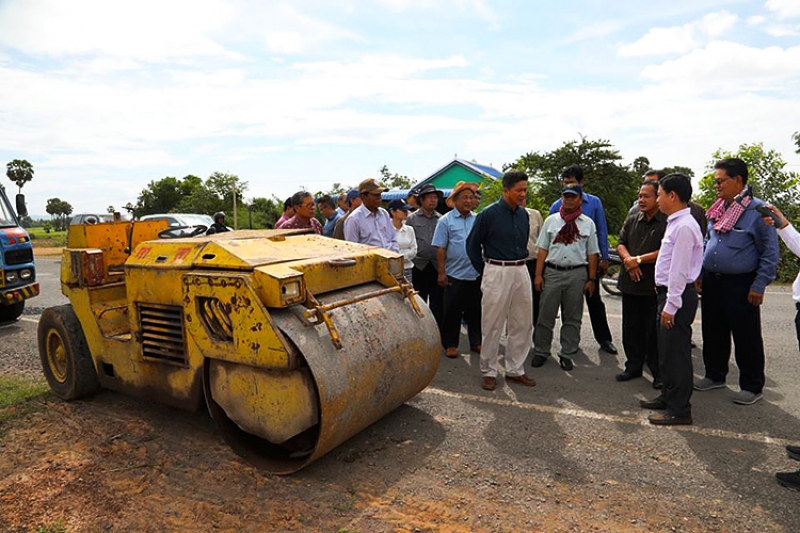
729 67
480 7
756 20
784 8
145 30
680 39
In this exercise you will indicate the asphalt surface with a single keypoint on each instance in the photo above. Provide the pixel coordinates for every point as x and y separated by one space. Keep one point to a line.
582 428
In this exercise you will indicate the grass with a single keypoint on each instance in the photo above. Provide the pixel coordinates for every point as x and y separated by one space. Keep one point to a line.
55 527
16 394
44 239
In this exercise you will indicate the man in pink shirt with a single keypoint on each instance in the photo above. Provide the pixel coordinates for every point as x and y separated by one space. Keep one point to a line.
677 267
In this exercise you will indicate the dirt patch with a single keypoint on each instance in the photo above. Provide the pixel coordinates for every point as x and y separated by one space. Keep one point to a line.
47 251
113 463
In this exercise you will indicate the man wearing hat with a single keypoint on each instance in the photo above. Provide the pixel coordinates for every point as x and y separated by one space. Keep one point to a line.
425 277
566 269
456 275
370 223
353 200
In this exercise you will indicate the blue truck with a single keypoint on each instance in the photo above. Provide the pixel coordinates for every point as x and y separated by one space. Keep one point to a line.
17 270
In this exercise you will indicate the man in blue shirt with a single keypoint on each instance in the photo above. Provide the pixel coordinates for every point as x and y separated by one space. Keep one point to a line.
327 208
740 260
370 223
456 275
593 208
497 247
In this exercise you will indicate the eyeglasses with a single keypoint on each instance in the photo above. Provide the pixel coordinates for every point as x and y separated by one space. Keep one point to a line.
309 206
720 181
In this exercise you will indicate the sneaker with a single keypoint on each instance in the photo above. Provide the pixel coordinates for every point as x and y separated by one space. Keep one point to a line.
708 384
790 480
745 397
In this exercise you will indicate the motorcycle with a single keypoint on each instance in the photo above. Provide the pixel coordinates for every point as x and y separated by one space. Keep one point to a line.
611 277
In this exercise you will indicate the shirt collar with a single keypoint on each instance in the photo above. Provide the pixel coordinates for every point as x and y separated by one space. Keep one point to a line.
678 214
502 202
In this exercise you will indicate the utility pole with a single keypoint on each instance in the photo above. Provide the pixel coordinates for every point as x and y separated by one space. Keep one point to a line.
235 193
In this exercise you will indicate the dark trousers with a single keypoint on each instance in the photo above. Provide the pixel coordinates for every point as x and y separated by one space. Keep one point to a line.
461 298
425 283
797 323
639 333
597 314
727 312
536 294
675 353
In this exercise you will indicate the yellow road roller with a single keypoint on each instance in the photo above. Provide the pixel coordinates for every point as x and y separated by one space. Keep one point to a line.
294 342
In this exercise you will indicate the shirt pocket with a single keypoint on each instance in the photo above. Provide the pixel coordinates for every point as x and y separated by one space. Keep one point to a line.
738 239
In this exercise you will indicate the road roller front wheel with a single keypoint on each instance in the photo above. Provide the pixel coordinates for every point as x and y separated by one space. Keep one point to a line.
66 361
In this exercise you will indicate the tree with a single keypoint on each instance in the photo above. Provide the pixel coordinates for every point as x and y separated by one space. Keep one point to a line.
20 172
796 139
110 209
679 170
615 184
640 166
59 210
394 181
768 181
161 196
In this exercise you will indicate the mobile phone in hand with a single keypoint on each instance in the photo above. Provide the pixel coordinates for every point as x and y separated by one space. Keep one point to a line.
765 211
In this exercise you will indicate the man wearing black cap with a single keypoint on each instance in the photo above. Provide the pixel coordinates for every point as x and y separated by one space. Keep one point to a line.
592 207
566 269
425 276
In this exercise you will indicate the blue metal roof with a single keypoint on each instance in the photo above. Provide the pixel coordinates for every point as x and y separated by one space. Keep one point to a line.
493 172
402 194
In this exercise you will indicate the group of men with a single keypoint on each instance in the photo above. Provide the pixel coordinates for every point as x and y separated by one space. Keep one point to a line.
507 273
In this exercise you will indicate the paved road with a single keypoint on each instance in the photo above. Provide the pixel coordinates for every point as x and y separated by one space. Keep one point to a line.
582 428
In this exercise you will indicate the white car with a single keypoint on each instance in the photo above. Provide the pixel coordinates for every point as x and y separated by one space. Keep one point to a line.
182 219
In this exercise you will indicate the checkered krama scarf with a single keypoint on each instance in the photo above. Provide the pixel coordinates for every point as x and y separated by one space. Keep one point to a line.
725 218
569 232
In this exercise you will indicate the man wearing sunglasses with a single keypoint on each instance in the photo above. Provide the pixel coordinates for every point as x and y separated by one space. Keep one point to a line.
740 260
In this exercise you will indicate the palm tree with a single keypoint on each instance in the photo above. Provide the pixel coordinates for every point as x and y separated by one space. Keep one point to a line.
20 172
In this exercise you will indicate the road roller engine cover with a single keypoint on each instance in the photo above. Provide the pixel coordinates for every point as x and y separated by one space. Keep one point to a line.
295 342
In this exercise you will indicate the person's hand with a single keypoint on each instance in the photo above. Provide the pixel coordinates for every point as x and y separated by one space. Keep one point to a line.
588 288
630 263
755 298
602 268
783 220
538 283
441 279
698 286
667 320
635 274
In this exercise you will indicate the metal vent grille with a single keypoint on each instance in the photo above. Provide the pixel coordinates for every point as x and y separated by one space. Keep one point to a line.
19 257
162 332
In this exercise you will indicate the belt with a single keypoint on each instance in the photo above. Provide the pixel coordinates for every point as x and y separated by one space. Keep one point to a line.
661 289
557 267
720 275
505 263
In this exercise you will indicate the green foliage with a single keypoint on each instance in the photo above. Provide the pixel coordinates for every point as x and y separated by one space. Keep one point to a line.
770 182
190 195
796 139
59 210
55 527
604 176
394 181
16 395
48 227
20 172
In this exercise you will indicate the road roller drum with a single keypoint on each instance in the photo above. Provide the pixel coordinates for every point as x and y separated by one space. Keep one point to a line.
293 341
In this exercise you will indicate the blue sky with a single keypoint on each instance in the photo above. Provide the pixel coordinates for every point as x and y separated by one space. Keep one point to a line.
103 97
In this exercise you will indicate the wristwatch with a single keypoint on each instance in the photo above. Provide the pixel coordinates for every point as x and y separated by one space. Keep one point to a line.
638 259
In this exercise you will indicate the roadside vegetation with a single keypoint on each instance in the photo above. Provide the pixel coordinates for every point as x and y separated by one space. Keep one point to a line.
18 397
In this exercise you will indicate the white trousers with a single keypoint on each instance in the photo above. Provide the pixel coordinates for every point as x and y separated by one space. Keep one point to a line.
507 299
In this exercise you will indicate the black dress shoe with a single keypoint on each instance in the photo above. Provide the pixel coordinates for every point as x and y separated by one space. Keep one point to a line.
790 480
657 384
565 363
657 404
627 376
666 419
793 452
608 346
538 360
